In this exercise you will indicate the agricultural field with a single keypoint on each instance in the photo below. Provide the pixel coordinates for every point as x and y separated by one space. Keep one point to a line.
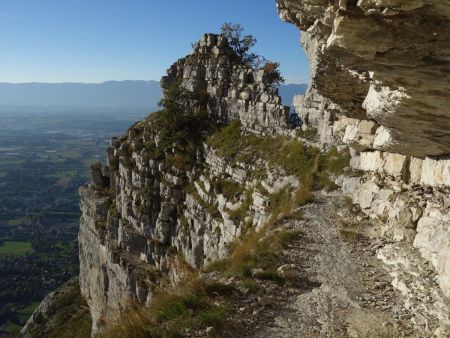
15 248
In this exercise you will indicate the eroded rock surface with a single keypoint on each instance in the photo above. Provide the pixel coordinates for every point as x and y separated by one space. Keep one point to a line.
386 61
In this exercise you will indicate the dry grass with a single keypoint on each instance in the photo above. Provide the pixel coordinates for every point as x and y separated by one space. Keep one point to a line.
254 250
192 306
284 203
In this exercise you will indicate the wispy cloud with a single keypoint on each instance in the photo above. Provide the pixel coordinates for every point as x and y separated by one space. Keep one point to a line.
7 15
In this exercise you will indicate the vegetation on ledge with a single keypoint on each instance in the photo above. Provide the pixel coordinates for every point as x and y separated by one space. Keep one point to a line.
308 164
175 133
67 315
260 249
195 305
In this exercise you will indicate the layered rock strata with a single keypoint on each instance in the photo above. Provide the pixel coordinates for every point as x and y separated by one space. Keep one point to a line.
143 218
386 61
236 91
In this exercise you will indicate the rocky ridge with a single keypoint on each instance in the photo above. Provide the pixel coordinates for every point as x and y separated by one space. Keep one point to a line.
236 91
145 212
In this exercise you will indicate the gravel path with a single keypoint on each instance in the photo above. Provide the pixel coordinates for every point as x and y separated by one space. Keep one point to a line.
344 289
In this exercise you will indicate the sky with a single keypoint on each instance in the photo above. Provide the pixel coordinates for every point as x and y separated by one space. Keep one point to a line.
101 40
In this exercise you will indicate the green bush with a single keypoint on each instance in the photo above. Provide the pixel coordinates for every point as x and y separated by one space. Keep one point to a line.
310 134
228 188
180 127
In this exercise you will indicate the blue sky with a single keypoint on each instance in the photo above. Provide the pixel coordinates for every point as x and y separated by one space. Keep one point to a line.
99 40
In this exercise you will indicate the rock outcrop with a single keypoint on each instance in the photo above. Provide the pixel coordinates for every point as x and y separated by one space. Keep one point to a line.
146 214
63 313
236 91
385 61
379 84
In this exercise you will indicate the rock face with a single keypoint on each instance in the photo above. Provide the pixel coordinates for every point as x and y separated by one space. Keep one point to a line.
236 91
380 82
385 61
63 313
143 218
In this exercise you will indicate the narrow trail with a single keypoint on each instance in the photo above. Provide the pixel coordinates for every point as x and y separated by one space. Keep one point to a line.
342 289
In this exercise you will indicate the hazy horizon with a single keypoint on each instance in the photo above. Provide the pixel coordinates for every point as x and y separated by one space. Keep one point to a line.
106 81
43 42
129 95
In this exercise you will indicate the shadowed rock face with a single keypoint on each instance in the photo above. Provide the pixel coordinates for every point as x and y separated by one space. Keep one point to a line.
384 60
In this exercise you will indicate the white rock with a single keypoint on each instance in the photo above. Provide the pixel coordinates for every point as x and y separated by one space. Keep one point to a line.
372 161
394 164
364 196
415 170
428 171
433 241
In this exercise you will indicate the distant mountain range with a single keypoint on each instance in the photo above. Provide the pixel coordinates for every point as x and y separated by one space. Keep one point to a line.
117 95
288 91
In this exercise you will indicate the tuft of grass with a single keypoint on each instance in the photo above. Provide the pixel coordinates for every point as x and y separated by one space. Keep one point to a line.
310 134
239 214
225 140
283 204
254 250
214 316
171 314
330 163
250 285
228 188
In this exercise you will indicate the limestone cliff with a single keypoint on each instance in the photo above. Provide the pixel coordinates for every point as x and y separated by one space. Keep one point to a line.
175 192
159 203
380 82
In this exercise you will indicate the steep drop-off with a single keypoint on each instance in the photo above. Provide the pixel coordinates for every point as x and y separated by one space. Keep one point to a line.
161 198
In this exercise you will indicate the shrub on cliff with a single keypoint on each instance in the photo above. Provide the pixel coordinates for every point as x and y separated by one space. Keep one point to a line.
181 127
242 45
272 73
184 115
